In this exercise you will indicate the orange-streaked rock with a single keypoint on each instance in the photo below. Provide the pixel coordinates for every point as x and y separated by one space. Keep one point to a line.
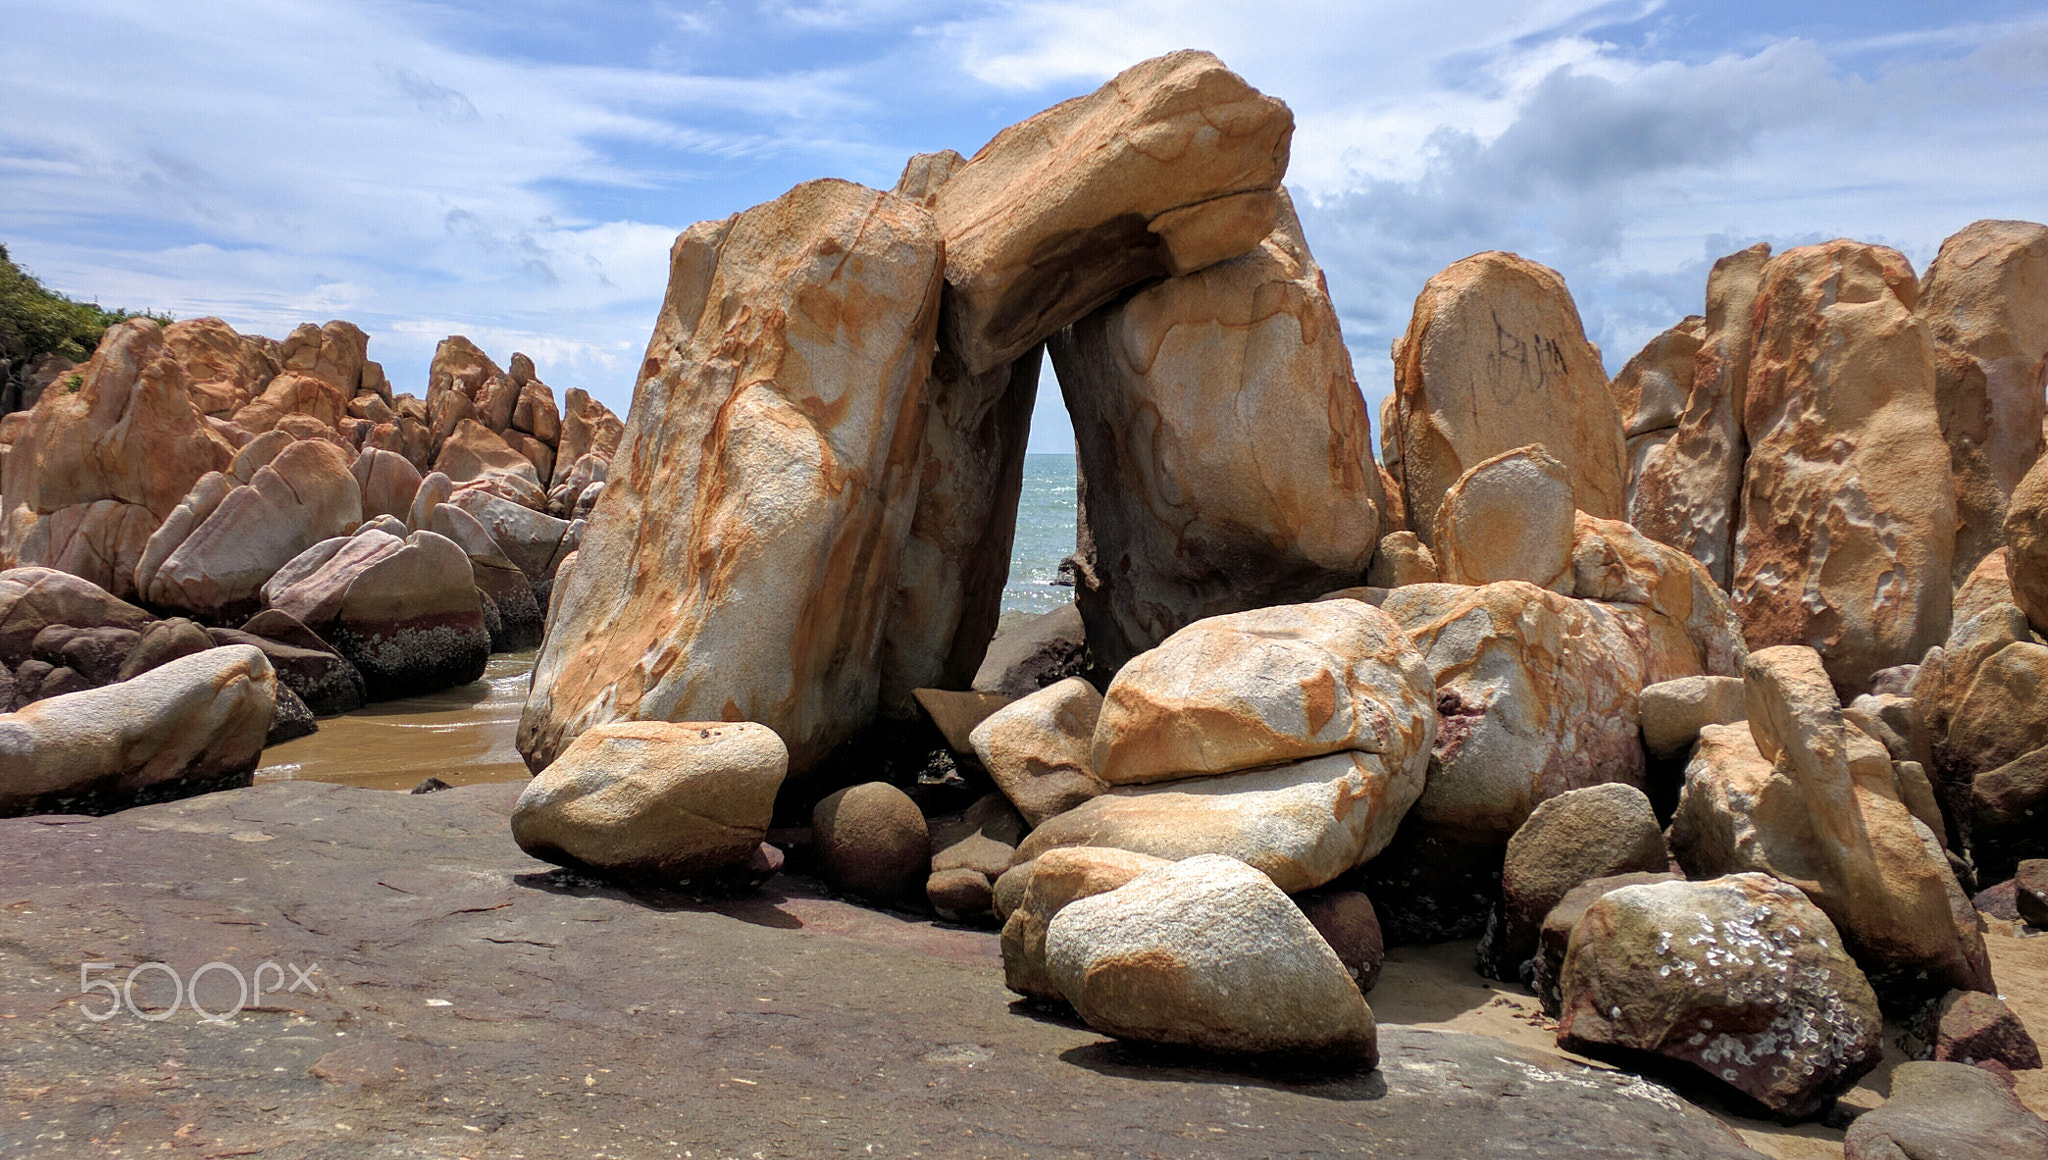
1266 686
1495 358
1684 493
742 560
1848 522
1508 518
1985 299
1225 451
1172 166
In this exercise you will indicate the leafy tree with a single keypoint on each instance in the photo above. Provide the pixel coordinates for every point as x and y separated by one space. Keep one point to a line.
36 321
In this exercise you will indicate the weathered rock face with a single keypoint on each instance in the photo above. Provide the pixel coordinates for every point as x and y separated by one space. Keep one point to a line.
1571 839
1266 686
519 618
1172 166
1209 954
1985 299
654 801
476 455
588 428
1402 559
224 371
1508 518
215 561
534 541
322 678
1741 978
1302 824
1225 450
1684 492
1989 584
949 592
743 558
1798 796
107 453
1973 1027
1615 563
1051 881
32 599
970 850
1037 654
192 725
1938 1110
2026 545
1979 695
1495 358
1040 750
1555 937
460 366
388 481
1536 695
404 612
1674 712
1846 537
1650 393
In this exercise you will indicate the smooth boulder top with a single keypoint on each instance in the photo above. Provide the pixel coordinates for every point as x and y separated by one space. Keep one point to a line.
1171 166
1495 358
1040 750
190 725
1508 518
654 800
1302 824
1207 953
1947 1111
1267 686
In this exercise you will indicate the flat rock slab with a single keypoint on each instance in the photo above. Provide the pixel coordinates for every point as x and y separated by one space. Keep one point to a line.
470 1001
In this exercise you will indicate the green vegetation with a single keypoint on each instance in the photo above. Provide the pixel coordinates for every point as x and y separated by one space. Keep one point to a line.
35 321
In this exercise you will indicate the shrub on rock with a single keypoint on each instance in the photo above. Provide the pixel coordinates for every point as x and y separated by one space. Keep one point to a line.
1208 954
654 802
1741 979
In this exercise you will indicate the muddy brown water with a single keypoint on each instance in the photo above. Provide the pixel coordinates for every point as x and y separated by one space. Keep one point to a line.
462 735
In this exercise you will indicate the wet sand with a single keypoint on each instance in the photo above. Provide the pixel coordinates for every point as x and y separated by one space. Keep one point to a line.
462 736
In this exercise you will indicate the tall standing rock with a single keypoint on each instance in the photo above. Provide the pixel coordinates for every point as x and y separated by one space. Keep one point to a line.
741 561
1172 166
1495 357
1650 392
1684 492
950 590
1846 535
1225 450
1985 299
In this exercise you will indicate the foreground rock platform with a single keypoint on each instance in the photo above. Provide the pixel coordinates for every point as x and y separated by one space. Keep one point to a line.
472 1002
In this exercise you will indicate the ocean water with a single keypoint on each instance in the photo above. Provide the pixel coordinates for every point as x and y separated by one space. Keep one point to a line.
1045 535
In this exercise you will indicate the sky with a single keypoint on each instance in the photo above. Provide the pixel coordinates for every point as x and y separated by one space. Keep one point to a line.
515 171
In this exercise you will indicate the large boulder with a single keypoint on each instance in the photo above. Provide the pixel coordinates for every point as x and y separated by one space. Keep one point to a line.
1740 979
588 428
1985 299
510 592
388 481
1225 451
1267 686
1946 1111
190 726
1571 839
1684 491
1495 358
1799 796
1037 654
1050 882
105 455
1650 393
653 801
32 599
1040 750
1613 562
1508 518
1172 166
1535 693
872 843
742 562
474 454
2026 545
223 370
1846 537
215 566
1209 954
1303 824
405 612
